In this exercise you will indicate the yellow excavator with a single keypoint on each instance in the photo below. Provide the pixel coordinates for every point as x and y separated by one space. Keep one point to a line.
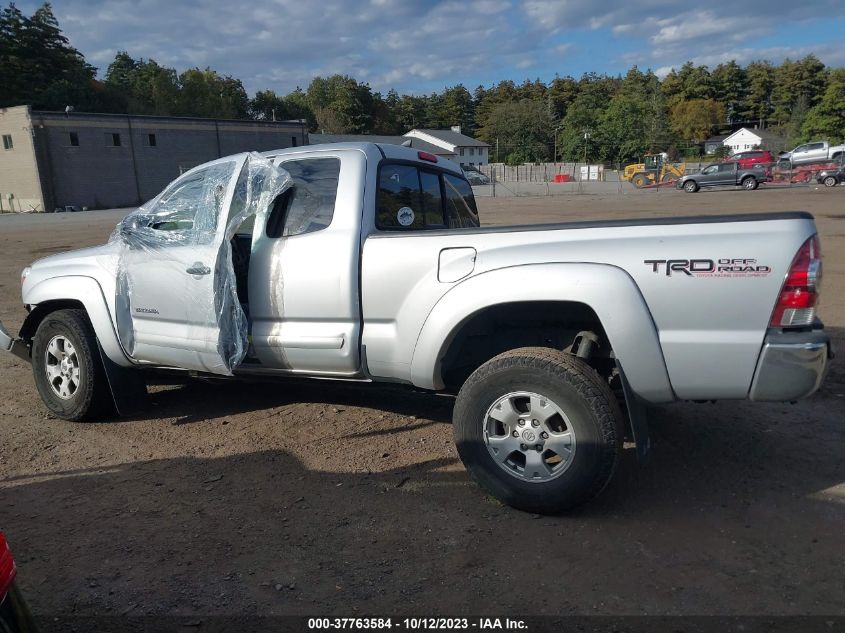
654 169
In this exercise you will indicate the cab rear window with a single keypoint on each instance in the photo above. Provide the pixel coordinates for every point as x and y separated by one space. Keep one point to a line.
414 198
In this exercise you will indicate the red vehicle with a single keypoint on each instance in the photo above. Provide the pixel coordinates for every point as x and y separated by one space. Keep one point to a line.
752 157
14 614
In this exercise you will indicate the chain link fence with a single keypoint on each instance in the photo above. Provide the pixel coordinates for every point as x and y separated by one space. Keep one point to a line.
549 179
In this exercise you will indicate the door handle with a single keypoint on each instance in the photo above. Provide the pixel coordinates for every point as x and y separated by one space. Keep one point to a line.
198 269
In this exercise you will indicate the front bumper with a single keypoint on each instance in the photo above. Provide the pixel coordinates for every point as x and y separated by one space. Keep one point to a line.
14 345
792 365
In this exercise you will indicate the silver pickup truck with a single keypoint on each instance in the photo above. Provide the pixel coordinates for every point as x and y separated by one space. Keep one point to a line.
366 262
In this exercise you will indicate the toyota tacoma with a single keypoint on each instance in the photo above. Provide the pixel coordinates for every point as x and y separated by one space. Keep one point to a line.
366 262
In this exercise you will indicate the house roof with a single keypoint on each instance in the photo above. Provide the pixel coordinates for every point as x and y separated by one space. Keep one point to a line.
453 138
763 135
416 143
716 139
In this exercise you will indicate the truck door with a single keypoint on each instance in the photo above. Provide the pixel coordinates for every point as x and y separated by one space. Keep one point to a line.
709 176
303 275
726 174
170 272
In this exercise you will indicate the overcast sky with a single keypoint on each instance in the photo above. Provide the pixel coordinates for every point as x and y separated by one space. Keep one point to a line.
419 46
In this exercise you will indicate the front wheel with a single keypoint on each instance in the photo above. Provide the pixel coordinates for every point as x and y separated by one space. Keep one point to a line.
830 181
538 429
690 186
67 368
749 183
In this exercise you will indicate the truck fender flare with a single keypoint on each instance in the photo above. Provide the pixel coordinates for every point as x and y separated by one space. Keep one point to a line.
608 290
88 292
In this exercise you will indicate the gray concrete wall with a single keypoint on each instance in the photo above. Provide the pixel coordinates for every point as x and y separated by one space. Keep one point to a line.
18 167
97 174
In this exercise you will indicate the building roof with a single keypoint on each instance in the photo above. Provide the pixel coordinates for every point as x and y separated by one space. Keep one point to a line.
152 118
452 137
416 143
763 135
716 139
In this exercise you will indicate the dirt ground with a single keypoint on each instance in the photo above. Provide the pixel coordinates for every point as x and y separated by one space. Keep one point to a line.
319 498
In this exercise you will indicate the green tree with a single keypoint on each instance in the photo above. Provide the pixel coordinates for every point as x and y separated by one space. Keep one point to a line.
298 107
730 87
38 66
826 119
562 92
689 82
693 120
205 93
410 112
759 76
796 83
586 115
454 107
341 105
146 87
621 132
523 130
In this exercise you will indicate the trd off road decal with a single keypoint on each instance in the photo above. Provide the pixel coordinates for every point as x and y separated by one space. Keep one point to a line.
725 267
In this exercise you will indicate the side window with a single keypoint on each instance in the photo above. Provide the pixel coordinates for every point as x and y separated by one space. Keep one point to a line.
801 148
460 203
194 202
815 146
727 166
432 198
400 200
309 204
710 170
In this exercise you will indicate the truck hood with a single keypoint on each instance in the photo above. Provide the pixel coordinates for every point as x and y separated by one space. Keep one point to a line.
98 262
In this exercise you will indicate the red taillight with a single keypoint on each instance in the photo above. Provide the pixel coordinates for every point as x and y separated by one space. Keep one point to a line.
7 567
431 158
796 306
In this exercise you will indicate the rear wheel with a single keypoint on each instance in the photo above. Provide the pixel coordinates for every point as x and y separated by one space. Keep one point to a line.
749 183
690 186
830 181
66 364
538 429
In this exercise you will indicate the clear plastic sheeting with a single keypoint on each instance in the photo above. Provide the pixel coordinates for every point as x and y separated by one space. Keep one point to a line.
177 300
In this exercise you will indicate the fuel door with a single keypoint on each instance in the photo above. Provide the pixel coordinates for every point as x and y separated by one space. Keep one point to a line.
455 264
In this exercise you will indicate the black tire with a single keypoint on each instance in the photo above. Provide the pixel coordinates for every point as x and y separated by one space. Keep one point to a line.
830 181
667 177
690 186
575 388
749 183
91 398
639 180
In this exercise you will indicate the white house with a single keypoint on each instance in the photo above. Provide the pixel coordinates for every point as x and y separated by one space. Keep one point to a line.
467 150
744 139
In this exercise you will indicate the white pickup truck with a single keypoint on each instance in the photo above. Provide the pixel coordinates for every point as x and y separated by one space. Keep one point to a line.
366 262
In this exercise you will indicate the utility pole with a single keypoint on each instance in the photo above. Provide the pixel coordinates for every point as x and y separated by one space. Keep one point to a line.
497 149
586 136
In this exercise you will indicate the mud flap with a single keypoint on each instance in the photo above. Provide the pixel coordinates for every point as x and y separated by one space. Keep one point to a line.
637 418
127 386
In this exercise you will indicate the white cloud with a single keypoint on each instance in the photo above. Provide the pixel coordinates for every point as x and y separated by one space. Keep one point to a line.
423 45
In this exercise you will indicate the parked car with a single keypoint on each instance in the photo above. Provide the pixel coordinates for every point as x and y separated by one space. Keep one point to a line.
14 613
476 177
818 151
751 158
367 263
729 174
831 177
